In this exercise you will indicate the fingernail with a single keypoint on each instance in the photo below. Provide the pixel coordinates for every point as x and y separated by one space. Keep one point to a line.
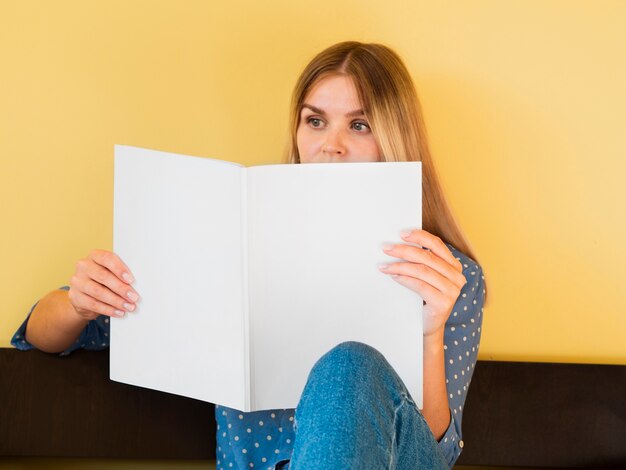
383 266
387 247
128 277
119 313
129 307
405 233
132 296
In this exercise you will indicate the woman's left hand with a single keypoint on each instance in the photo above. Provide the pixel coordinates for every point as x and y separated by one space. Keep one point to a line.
434 273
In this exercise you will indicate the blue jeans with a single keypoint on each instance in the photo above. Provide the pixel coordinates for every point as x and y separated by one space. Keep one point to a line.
355 412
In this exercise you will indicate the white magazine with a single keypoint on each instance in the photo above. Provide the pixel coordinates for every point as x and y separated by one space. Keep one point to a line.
248 275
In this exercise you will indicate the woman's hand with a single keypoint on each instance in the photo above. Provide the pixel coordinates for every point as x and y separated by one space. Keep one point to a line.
434 273
101 286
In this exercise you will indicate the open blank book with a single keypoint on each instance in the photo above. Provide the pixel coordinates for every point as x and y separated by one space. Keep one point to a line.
248 275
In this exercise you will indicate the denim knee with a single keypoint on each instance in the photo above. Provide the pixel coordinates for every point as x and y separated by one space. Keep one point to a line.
360 364
359 357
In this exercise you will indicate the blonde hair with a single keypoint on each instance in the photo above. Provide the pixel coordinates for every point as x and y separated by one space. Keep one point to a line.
390 104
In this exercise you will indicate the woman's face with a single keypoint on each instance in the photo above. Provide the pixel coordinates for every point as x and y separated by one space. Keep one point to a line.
332 125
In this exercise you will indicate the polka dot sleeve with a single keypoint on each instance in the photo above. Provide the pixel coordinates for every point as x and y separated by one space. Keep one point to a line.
95 336
461 342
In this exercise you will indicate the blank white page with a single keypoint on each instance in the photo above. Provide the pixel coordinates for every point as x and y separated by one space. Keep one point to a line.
315 242
177 225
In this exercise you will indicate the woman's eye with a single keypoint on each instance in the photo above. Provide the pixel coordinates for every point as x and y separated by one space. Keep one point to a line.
360 126
315 122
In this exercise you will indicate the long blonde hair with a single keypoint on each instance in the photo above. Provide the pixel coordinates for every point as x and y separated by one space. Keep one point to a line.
390 104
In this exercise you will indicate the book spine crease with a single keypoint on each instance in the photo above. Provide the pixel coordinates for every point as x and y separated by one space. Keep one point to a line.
247 337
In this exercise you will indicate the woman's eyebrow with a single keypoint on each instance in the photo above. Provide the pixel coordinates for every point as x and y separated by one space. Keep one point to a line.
357 112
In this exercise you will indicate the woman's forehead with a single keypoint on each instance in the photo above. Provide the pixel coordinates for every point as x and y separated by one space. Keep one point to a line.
334 93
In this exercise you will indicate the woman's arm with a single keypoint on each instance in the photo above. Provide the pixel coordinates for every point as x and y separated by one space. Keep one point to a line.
100 286
436 407
436 275
452 286
54 324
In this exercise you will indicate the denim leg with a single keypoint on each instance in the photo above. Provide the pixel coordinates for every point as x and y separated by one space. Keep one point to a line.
355 412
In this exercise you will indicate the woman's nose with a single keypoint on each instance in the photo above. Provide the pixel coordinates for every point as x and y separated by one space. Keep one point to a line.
334 143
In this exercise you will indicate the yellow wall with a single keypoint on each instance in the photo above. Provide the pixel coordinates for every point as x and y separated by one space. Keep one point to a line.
524 101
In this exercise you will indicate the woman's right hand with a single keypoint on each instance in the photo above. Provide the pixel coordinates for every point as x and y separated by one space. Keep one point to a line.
101 286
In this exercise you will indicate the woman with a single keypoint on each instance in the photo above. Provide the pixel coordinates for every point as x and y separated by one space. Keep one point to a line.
353 102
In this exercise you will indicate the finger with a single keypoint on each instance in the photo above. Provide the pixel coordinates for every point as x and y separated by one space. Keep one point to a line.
433 243
104 295
118 291
427 292
426 274
113 263
85 302
428 258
